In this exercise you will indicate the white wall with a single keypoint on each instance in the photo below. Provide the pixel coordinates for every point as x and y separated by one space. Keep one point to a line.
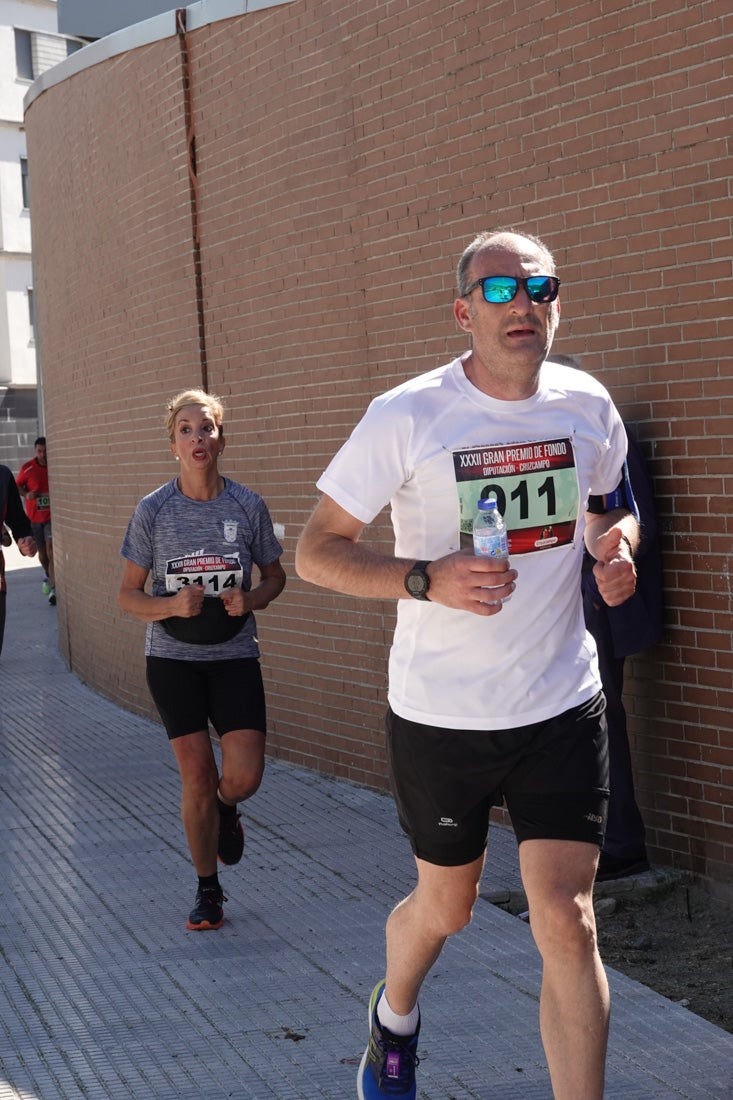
15 223
17 347
29 15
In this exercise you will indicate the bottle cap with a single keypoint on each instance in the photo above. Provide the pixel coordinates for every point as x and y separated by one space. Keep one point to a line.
486 503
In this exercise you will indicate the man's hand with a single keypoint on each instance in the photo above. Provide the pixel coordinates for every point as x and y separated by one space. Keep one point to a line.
329 554
470 583
614 570
27 546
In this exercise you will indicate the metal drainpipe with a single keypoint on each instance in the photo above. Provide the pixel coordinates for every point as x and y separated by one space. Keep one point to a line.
194 190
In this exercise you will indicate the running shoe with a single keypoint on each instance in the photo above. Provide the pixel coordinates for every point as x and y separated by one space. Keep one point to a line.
389 1062
207 911
231 838
52 597
46 587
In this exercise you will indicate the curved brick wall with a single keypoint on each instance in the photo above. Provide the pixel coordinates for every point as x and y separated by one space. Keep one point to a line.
345 153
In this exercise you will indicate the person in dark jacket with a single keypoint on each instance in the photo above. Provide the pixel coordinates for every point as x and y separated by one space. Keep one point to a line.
12 515
619 632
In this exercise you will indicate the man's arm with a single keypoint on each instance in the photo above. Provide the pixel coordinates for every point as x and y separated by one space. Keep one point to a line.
15 516
18 521
329 554
612 538
22 483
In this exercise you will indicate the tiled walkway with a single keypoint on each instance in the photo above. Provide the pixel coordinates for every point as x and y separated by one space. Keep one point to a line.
105 995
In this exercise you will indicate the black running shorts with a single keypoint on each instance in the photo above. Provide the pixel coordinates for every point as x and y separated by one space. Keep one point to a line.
553 776
189 694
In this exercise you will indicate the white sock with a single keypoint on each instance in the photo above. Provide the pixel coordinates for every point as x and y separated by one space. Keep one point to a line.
398 1025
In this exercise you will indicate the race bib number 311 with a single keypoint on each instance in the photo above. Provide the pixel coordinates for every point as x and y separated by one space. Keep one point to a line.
536 489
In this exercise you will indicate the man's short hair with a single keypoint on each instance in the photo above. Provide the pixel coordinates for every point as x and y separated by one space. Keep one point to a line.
40 442
485 240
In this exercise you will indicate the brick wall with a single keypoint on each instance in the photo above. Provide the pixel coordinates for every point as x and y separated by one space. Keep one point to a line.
345 153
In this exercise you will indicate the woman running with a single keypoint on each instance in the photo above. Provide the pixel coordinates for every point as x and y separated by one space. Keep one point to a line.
199 536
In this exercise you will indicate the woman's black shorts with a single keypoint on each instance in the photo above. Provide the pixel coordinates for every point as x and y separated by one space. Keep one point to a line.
553 776
190 694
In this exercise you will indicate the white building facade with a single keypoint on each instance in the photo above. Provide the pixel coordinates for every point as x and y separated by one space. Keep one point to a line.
29 45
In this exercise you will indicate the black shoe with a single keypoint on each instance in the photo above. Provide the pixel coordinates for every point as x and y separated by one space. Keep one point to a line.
207 911
613 867
231 838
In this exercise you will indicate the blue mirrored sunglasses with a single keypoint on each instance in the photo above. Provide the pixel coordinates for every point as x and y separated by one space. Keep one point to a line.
503 288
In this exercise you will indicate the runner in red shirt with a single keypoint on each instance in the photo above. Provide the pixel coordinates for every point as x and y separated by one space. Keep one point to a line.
33 484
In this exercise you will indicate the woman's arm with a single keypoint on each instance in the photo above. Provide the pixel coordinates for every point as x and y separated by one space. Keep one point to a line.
272 582
150 609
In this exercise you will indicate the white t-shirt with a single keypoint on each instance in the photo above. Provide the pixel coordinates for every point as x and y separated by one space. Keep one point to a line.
431 447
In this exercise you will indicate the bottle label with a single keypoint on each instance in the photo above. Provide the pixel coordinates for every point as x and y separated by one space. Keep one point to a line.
490 545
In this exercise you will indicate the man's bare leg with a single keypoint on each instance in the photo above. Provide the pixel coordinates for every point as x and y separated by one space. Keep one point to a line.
574 1003
417 928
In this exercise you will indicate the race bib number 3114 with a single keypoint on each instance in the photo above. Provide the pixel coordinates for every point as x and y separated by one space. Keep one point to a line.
535 486
215 572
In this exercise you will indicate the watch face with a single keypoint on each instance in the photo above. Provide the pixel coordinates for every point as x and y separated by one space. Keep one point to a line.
417 583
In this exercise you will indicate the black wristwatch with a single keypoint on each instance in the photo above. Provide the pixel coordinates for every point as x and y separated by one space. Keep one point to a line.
417 582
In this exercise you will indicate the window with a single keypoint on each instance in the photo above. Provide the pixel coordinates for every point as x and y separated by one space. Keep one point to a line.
24 55
24 182
32 314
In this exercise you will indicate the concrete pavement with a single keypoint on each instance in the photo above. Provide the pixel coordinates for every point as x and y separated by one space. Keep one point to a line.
104 994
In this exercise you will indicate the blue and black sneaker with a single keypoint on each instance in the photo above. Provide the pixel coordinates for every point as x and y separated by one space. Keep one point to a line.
388 1065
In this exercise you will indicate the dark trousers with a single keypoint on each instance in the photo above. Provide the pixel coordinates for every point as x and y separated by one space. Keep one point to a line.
625 830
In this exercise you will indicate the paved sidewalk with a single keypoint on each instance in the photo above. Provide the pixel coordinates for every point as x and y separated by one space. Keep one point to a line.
105 995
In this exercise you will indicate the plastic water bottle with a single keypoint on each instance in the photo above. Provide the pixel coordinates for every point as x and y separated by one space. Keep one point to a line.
490 537
489 531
